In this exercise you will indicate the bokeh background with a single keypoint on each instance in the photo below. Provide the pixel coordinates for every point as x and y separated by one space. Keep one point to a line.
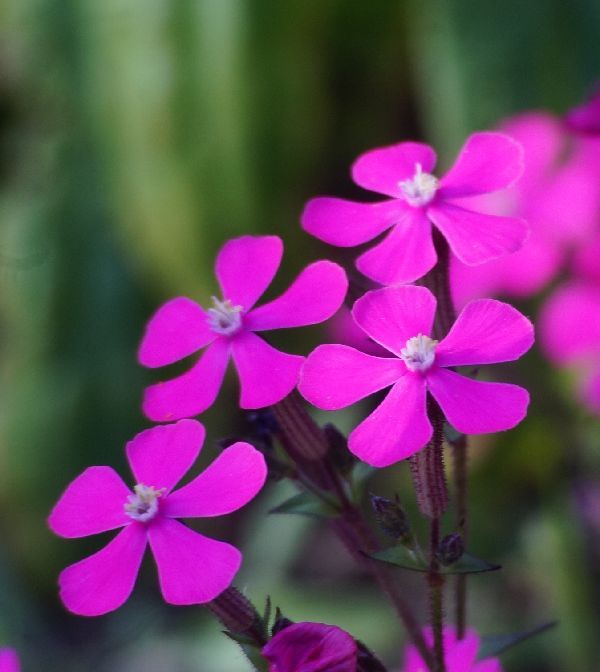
135 137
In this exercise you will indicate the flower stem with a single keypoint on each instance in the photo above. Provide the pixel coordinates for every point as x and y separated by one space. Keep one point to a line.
436 596
307 445
461 481
238 615
440 284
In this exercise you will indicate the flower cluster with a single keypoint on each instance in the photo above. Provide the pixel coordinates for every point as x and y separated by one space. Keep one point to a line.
407 345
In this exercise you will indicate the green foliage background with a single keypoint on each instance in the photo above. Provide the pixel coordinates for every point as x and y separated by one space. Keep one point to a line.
136 136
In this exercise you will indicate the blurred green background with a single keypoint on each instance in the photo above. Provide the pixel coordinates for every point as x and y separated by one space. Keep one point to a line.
135 137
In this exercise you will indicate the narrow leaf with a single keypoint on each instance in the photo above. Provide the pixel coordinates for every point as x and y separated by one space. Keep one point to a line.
494 645
401 556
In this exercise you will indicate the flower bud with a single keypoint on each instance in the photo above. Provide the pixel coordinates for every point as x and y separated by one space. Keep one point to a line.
391 518
450 549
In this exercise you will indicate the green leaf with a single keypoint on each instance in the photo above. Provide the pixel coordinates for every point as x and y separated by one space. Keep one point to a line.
306 504
406 558
361 473
255 657
493 645
452 435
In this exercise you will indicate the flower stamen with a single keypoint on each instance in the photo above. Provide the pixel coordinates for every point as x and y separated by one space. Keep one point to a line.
421 188
224 317
143 505
419 353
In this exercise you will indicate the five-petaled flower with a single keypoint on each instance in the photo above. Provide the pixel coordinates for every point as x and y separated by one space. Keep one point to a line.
400 319
9 661
311 647
244 267
460 655
192 568
488 162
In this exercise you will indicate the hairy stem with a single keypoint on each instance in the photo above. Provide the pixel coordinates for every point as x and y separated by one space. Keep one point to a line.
461 482
436 596
235 611
306 443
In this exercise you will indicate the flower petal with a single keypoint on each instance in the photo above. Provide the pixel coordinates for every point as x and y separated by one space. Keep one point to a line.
570 323
488 665
266 375
230 482
383 169
347 223
313 297
461 654
488 161
335 376
397 428
103 581
192 569
245 267
91 504
591 391
312 647
542 136
475 237
404 255
9 661
477 407
392 315
177 329
159 457
486 331
191 393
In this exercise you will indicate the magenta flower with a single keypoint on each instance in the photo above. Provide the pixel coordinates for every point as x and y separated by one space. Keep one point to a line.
9 661
570 333
192 568
586 118
311 647
558 194
460 654
245 268
401 319
488 162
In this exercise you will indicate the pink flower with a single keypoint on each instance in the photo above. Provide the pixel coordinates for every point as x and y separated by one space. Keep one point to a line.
401 319
245 267
570 334
9 661
488 162
558 196
311 647
460 655
586 118
192 568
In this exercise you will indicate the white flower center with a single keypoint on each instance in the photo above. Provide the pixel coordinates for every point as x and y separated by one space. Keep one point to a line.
143 505
421 188
419 353
224 317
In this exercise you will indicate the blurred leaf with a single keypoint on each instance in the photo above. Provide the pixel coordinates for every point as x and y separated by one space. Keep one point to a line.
401 556
306 504
494 645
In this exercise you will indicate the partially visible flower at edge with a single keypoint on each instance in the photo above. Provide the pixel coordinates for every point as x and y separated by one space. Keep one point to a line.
311 647
570 335
559 196
488 162
400 319
460 655
192 568
244 267
9 661
586 118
